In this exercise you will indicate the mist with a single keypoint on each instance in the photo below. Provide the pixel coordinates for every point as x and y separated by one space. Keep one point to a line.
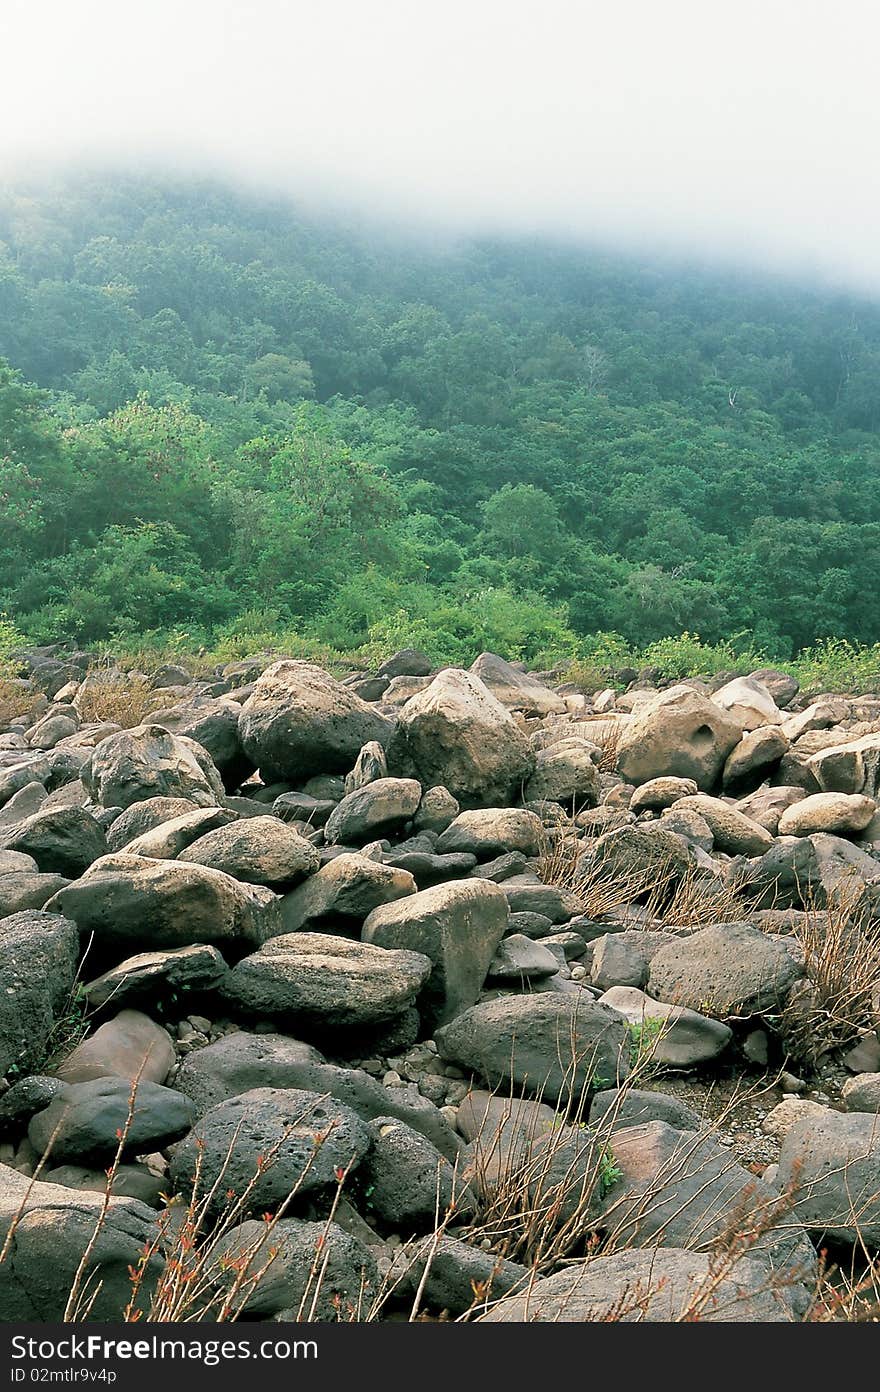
745 133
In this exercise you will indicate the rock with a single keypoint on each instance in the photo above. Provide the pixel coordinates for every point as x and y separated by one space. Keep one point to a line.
863 1057
148 762
410 1184
456 1272
749 702
298 721
63 841
502 1132
631 1107
88 1121
325 982
502 868
272 1272
557 1046
852 767
566 773
428 870
458 926
369 766
16 863
678 733
664 1286
211 722
54 1228
27 891
724 970
756 754
820 715
142 817
239 1062
169 838
732 832
659 793
129 901
515 689
530 925
157 974
135 1181
787 1113
559 905
493 831
624 959
519 959
381 806
810 871
643 856
305 1138
831 1164
437 810
257 850
24 1098
38 958
667 1035
767 805
682 1189
861 1093
348 887
842 814
781 685
686 822
457 734
409 662
130 1046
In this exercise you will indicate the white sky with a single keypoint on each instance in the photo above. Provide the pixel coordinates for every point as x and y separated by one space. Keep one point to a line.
728 127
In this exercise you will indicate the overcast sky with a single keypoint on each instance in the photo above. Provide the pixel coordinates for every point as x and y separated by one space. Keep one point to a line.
743 128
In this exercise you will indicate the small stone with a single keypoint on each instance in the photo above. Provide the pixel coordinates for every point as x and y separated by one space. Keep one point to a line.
791 1084
392 1079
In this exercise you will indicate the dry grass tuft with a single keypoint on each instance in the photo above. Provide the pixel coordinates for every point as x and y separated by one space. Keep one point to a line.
116 698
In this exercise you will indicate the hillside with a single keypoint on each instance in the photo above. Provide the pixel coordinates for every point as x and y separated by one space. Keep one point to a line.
244 421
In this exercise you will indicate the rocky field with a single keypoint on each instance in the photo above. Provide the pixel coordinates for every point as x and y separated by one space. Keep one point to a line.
453 995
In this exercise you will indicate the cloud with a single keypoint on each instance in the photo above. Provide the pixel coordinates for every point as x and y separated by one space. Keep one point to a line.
745 130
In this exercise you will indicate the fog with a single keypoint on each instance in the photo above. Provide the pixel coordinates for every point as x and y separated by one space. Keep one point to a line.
744 131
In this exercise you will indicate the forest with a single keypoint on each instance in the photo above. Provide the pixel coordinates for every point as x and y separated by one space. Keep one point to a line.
223 419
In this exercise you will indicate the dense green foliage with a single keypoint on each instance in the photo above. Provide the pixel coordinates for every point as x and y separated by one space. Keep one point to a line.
245 421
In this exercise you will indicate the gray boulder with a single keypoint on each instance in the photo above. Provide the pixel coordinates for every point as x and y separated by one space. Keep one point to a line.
38 958
147 762
257 850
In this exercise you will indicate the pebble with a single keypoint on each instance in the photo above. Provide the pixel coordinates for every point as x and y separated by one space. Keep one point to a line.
392 1079
789 1083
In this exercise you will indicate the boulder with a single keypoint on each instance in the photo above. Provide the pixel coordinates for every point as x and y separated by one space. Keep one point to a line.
27 890
62 840
733 833
54 1227
373 810
306 1141
725 970
667 1035
840 814
665 1286
516 689
659 793
631 1106
212 722
156 975
458 926
240 1062
147 762
130 1046
781 685
749 702
347 887
141 817
519 959
370 765
831 1164
454 1275
90 1120
556 1046
300 721
767 805
410 1184
862 1093
756 754
273 1272
681 733
457 734
852 767
325 982
129 901
493 831
38 958
624 959
169 838
438 809
257 850
567 773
